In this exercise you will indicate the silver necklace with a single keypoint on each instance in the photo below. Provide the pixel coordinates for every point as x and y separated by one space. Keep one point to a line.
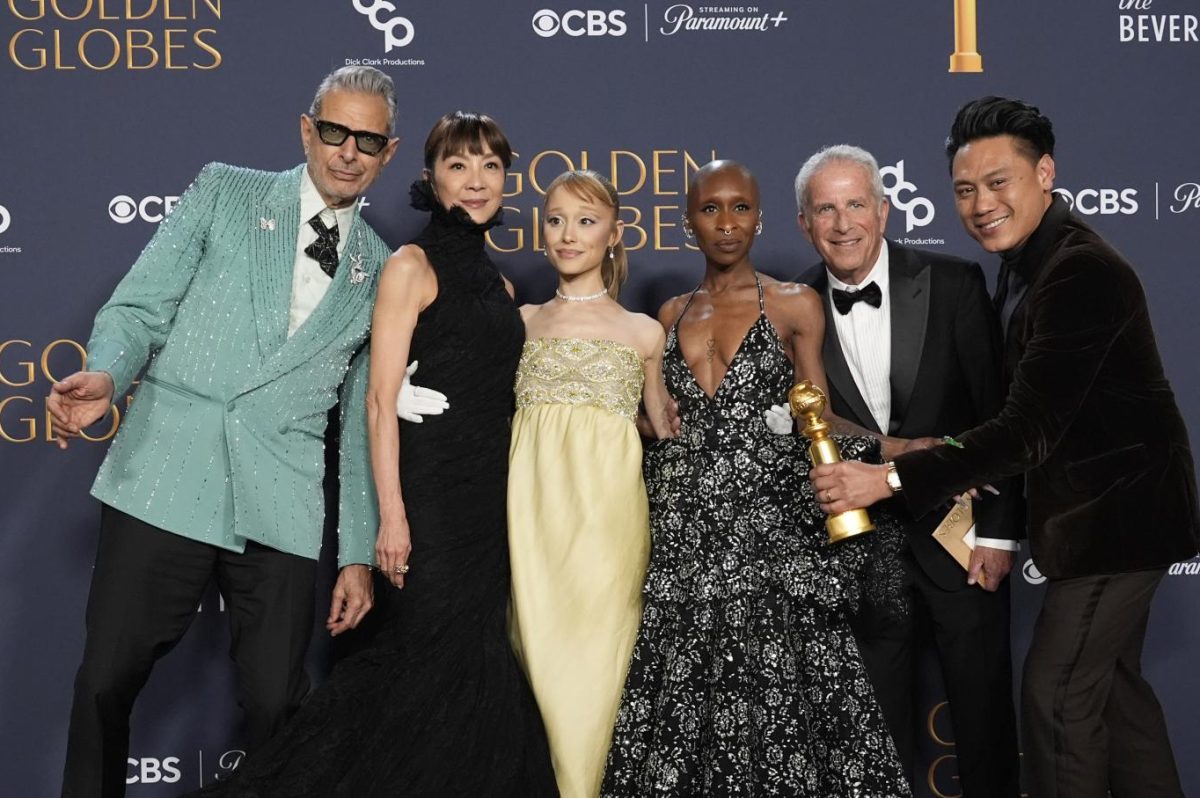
585 298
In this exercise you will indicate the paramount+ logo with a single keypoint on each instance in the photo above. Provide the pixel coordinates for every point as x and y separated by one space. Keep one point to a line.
592 22
124 209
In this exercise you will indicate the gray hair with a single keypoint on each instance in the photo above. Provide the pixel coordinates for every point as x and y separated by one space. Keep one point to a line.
361 79
845 153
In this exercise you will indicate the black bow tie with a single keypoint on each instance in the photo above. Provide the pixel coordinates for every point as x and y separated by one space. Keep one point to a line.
844 300
324 249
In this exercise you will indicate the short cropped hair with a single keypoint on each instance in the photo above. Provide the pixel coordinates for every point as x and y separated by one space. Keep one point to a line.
845 153
1000 116
361 79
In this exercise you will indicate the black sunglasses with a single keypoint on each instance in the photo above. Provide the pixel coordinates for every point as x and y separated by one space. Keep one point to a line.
334 135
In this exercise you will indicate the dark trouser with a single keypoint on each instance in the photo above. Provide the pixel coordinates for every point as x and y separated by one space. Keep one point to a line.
146 589
1090 722
970 632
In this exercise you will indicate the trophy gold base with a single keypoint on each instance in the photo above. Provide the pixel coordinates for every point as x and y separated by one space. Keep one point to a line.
966 62
847 525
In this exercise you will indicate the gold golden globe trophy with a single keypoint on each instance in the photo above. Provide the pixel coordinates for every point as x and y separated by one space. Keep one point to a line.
966 57
808 402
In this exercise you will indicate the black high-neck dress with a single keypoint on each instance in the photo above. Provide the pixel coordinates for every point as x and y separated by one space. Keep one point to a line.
436 706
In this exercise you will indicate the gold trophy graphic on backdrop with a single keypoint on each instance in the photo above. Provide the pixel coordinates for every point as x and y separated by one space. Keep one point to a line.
966 57
808 402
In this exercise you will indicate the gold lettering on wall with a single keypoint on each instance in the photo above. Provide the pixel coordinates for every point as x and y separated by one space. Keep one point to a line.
153 38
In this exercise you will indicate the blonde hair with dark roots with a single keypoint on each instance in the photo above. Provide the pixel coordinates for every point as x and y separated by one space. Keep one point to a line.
590 185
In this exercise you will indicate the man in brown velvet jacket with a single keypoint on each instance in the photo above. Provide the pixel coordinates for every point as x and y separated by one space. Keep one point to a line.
1091 421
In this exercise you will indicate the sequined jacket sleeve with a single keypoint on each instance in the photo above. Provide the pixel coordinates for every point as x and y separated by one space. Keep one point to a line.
358 513
134 323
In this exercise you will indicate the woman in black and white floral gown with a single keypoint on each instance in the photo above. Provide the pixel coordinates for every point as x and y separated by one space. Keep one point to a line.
745 679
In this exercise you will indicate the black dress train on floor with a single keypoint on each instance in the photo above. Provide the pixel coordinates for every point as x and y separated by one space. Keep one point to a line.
745 679
436 706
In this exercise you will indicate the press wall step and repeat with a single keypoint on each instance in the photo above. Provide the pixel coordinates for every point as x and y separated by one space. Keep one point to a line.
110 108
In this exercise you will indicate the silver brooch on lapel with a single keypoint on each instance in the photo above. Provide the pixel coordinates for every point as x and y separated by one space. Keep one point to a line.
357 273
266 224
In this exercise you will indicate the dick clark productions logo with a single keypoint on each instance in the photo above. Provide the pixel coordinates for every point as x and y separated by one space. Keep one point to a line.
5 219
375 10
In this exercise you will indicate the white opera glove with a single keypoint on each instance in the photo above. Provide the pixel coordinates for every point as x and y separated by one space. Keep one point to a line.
778 419
413 402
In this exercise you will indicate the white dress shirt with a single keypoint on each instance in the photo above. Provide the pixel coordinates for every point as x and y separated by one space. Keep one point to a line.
309 281
865 334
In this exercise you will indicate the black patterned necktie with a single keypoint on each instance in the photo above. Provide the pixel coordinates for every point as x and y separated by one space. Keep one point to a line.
844 300
324 249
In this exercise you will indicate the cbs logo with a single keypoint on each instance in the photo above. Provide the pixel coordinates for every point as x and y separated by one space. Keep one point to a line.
1031 573
5 219
149 770
547 23
123 209
1103 201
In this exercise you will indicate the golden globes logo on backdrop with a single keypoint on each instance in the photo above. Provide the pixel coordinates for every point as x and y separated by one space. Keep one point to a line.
653 190
942 776
966 57
100 35
26 374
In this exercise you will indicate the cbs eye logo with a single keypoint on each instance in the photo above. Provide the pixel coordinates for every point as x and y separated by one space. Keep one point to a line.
547 23
1032 575
123 209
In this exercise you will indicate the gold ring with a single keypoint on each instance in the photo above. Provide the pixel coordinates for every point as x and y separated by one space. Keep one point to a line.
401 569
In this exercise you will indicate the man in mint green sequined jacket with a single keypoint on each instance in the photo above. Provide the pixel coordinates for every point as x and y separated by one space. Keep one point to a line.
246 318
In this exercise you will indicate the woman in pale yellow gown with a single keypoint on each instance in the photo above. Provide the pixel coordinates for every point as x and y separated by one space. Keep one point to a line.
578 526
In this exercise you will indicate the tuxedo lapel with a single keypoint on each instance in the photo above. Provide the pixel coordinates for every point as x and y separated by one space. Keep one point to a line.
274 226
837 371
342 302
908 283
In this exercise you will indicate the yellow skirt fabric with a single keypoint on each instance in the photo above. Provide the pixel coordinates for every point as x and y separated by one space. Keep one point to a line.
579 538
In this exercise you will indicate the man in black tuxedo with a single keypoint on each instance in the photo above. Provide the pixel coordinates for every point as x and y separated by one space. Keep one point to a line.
1091 421
912 350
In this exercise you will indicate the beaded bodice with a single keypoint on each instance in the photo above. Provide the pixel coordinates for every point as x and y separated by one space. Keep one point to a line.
580 371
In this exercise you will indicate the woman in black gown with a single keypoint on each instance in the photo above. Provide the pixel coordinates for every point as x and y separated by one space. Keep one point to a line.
436 706
745 679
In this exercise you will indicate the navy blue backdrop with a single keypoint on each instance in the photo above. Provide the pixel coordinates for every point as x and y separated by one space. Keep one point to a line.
112 106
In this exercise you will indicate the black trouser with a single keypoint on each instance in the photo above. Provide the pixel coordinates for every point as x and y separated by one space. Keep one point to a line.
146 589
1090 721
970 633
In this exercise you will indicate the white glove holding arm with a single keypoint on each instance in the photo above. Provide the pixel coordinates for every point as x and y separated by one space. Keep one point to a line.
414 402
778 419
